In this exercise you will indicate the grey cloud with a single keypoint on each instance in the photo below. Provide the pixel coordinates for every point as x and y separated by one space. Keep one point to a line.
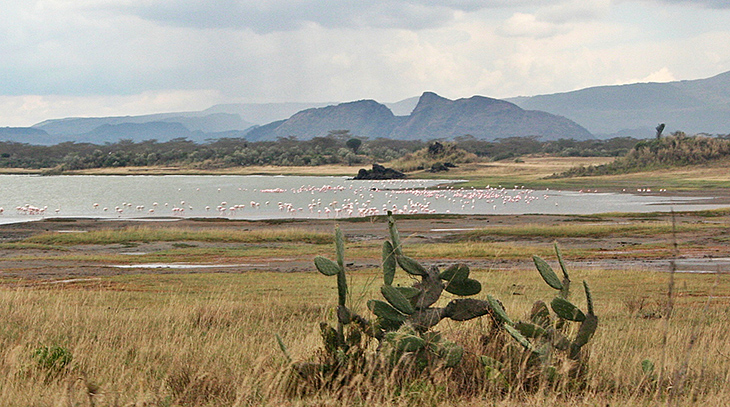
287 15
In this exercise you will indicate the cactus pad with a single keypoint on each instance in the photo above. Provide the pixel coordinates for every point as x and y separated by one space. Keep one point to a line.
498 311
405 342
397 299
456 273
326 266
589 298
586 330
385 311
529 330
547 273
464 288
566 310
540 314
388 263
409 292
410 266
462 309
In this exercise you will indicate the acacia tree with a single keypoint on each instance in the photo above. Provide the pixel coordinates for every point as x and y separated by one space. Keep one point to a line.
353 144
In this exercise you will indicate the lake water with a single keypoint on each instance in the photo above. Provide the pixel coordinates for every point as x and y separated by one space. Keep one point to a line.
26 197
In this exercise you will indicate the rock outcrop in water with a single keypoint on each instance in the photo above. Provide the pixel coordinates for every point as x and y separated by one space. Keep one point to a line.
379 173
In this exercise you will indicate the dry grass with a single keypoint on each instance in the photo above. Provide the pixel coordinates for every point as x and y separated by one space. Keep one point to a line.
208 340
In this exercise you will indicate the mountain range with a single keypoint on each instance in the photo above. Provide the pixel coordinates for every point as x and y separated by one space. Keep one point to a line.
692 106
434 117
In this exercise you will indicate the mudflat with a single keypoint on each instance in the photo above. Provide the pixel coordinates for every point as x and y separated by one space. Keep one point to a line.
700 237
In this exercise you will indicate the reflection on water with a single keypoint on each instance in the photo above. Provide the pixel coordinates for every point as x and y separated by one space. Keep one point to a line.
25 197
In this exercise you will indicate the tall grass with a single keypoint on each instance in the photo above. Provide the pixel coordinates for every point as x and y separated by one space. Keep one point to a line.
208 340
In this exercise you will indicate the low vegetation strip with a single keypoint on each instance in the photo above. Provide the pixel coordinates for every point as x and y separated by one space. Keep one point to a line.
675 150
587 230
146 234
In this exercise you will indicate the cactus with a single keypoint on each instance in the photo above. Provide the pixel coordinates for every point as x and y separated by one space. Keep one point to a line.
402 323
330 268
542 336
411 308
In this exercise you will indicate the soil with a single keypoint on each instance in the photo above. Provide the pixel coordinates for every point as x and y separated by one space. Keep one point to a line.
29 264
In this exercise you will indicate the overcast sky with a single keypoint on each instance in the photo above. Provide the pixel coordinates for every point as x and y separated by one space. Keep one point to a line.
64 58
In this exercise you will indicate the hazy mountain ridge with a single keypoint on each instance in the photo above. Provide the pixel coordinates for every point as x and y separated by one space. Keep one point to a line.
364 118
692 106
484 118
433 117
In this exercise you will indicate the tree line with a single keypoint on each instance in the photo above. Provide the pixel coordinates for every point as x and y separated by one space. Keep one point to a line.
337 147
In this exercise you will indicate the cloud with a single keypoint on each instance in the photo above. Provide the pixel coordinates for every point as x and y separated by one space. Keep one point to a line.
287 15
712 4
114 57
575 11
662 75
528 25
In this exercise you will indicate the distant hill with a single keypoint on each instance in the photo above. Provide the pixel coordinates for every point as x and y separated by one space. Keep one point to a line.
193 121
25 135
482 117
263 113
694 106
433 117
365 118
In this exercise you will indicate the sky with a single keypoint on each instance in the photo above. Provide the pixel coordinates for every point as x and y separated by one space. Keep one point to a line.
88 58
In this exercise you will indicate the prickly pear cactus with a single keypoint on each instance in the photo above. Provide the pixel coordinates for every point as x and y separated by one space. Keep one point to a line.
546 340
403 319
539 347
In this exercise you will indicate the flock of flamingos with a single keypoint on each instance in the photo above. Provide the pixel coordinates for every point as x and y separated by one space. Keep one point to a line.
331 201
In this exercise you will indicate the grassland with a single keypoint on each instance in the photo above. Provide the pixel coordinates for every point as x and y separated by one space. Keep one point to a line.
208 338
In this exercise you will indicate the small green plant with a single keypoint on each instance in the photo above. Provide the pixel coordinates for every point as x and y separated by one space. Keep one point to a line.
52 359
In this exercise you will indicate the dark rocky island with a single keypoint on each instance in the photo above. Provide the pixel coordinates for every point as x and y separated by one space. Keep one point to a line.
379 173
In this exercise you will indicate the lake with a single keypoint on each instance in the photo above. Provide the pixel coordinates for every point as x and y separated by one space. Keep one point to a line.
29 197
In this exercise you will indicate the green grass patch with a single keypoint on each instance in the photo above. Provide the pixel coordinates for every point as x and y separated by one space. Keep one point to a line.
146 234
29 246
587 230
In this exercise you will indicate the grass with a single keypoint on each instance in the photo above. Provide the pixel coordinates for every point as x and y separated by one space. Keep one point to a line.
146 234
533 172
208 339
590 230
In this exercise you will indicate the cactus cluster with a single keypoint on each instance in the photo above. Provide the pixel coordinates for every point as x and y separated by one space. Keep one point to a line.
403 320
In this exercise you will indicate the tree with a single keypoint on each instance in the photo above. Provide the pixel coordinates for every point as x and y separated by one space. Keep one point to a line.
353 144
659 130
